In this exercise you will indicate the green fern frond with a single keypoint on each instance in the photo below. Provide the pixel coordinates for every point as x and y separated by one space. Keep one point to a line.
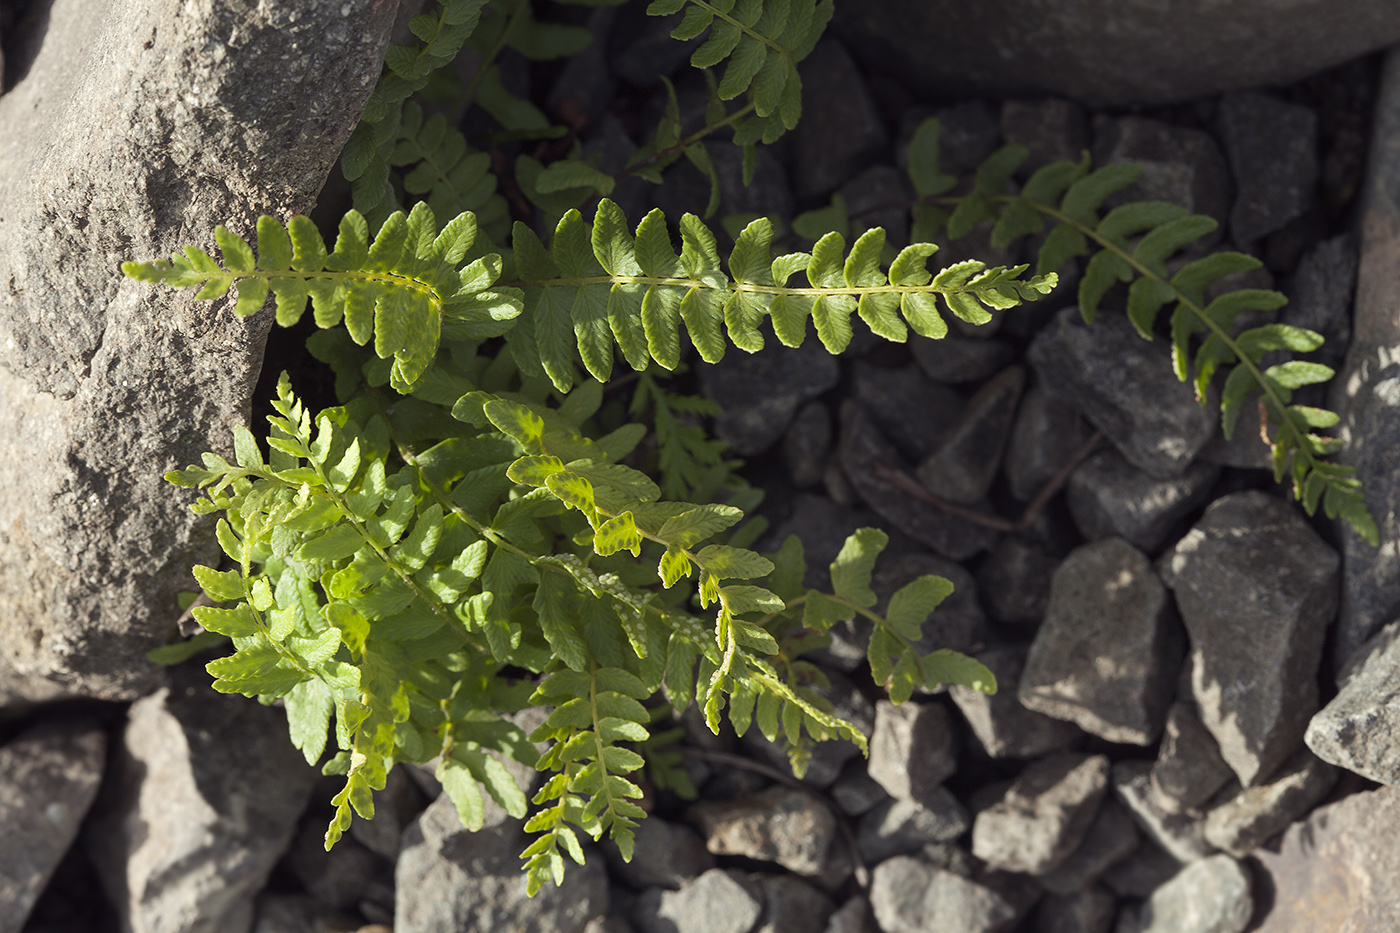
399 290
598 286
1132 244
444 171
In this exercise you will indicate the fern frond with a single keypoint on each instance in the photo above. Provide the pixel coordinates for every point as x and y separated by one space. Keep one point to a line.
597 286
443 170
399 290
1132 244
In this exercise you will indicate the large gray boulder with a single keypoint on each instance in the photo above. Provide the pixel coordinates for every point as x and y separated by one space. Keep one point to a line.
1106 52
136 127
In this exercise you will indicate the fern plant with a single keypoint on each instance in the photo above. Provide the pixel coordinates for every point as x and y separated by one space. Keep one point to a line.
1133 244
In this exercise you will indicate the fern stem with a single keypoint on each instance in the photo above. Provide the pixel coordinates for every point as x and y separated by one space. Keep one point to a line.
689 141
752 288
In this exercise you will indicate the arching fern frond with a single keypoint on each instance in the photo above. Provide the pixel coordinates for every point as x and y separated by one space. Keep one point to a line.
598 285
1132 244
399 290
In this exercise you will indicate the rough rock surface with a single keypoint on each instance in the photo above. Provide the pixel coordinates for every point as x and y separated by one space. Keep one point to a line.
664 855
1046 435
761 392
1180 834
1125 386
1179 164
1360 728
451 880
1109 840
1209 896
913 749
966 462
899 827
1272 146
1106 656
1087 911
910 896
1338 870
1119 54
791 905
1043 816
781 824
841 137
131 135
202 799
1189 769
1250 818
1109 496
1256 588
1006 728
719 901
51 773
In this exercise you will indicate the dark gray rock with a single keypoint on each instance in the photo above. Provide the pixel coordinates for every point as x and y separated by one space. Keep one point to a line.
792 906
913 412
1140 54
1106 656
1088 911
911 896
837 139
865 455
781 824
967 460
641 50
1252 817
1016 580
451 880
1357 730
1272 147
1320 293
953 359
342 877
1338 870
51 776
768 194
900 827
299 913
1179 164
1109 496
1043 815
1051 129
1189 769
967 133
1125 386
586 85
855 791
1209 896
1109 840
1144 871
719 901
808 444
205 793
614 148
1182 835
664 855
761 392
913 749
822 526
1257 589
105 382
879 197
1046 435
1005 728
854 916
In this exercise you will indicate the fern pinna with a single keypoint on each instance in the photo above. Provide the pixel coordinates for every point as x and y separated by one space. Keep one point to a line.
1133 244
460 518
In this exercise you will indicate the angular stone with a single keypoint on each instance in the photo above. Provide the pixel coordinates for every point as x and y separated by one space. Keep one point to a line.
967 460
205 795
879 197
342 877
1016 581
808 444
1141 54
1109 840
641 50
1045 437
845 134
855 791
761 392
451 880
854 916
1087 911
1320 294
1181 834
781 824
915 413
1256 588
1179 164
1147 869
1338 870
1360 728
1256 814
118 150
899 827
1106 656
952 359
967 133
1005 728
865 456
913 749
299 913
51 773
664 855
1051 130
1272 147
911 896
719 901
1126 387
1189 769
1109 496
1209 896
1044 814
792 906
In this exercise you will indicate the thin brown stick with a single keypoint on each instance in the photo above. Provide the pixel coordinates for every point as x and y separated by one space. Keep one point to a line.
862 874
